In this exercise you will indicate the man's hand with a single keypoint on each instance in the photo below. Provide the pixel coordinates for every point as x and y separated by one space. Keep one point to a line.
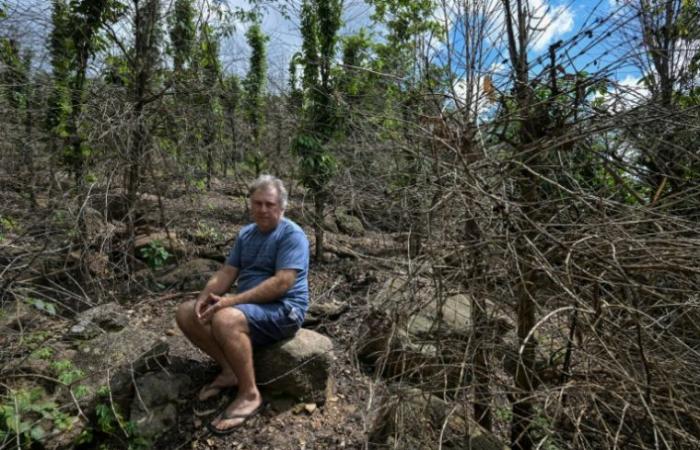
206 308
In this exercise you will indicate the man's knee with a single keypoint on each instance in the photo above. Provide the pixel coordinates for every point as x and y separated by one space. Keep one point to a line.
227 322
185 314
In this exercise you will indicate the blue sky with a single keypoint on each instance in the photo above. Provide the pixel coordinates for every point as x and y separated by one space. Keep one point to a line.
558 19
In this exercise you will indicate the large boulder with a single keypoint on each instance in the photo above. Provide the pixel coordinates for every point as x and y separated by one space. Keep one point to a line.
154 409
299 367
410 418
330 224
436 364
422 313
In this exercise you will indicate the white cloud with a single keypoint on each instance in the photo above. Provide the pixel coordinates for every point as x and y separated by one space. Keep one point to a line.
549 23
479 99
626 94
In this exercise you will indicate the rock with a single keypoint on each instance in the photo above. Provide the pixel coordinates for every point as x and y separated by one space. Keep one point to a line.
347 223
189 276
329 223
410 333
330 257
154 408
395 354
324 311
299 367
102 318
169 242
411 418
310 407
428 315
84 331
112 359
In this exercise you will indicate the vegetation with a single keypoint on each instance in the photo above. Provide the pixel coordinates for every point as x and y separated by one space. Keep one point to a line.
550 178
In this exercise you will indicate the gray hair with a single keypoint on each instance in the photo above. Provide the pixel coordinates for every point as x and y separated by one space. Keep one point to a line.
266 181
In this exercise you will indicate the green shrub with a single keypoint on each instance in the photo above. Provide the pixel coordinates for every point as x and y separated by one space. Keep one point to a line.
155 254
24 413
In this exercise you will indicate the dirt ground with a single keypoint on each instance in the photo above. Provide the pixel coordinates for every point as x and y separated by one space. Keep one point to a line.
284 424
207 222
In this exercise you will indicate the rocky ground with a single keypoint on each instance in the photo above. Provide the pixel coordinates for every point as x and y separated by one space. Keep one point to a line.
131 338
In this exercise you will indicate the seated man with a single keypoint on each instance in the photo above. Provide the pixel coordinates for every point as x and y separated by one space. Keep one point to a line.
270 259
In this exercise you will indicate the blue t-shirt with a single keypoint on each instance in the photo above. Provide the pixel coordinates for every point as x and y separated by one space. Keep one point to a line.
258 256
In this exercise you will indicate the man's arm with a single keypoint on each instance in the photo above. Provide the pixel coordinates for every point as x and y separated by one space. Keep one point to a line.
268 291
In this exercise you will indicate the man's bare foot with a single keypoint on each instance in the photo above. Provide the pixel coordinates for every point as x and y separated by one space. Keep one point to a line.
222 382
241 409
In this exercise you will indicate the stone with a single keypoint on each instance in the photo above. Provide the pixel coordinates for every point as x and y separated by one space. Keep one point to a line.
427 314
330 224
113 359
410 333
410 418
347 223
102 318
84 331
330 257
310 407
154 407
299 367
189 276
318 312
394 353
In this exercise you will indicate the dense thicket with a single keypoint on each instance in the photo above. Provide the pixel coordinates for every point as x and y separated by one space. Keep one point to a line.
527 174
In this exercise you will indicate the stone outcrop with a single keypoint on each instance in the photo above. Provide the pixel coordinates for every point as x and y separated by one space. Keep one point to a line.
412 333
111 351
299 367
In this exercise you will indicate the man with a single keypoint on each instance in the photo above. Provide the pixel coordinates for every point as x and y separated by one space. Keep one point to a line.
270 260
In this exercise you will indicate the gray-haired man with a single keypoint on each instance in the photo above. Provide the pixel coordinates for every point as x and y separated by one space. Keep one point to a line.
270 260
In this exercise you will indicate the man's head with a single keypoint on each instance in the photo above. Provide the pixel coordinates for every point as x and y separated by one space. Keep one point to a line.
268 200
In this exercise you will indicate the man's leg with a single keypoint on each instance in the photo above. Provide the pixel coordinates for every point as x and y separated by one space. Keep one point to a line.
230 330
201 336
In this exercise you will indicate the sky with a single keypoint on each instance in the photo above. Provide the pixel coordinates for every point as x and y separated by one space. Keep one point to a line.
555 20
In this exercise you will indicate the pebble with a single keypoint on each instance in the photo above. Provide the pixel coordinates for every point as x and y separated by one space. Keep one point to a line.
310 407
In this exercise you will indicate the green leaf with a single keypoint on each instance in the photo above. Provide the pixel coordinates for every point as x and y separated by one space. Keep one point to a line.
37 433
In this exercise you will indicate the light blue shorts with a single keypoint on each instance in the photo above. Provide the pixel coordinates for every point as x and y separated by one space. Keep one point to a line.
271 322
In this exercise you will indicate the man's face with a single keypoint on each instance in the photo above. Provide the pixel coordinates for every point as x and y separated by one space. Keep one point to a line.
266 209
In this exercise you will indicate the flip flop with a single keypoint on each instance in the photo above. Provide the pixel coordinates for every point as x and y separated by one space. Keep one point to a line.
224 416
212 403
